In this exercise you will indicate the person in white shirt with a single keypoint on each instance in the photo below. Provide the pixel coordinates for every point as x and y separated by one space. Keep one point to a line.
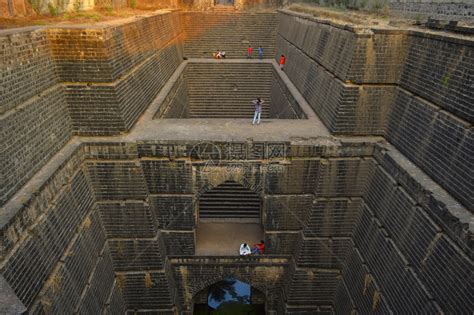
244 249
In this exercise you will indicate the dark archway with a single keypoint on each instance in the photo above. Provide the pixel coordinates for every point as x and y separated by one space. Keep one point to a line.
230 202
224 2
229 296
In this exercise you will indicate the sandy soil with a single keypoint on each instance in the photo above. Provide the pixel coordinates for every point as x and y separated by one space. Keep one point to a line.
77 18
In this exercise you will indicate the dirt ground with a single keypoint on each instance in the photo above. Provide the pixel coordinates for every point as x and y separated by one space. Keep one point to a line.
381 17
372 18
375 17
81 17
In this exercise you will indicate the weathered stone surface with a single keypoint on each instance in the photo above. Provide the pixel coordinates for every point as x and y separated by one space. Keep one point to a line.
30 135
231 32
108 226
194 274
174 212
9 301
131 219
287 212
146 290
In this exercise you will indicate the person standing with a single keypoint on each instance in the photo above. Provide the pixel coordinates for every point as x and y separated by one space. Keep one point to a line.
258 110
260 52
282 61
249 52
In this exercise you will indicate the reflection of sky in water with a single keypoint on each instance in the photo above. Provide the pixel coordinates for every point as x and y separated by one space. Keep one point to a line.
238 292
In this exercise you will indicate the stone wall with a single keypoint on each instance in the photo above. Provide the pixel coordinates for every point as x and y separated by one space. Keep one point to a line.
88 81
432 115
383 82
345 74
175 105
202 5
283 106
452 10
361 222
391 221
194 274
54 251
113 73
207 32
398 245
35 120
227 90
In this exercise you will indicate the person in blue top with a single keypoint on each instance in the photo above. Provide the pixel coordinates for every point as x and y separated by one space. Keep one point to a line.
258 110
260 52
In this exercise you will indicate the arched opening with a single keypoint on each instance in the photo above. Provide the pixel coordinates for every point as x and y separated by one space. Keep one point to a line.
229 215
229 296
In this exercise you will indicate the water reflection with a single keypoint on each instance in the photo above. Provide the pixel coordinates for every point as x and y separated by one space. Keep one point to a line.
229 297
228 291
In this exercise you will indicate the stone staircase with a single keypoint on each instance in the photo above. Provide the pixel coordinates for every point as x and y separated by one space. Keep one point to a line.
206 32
229 201
226 90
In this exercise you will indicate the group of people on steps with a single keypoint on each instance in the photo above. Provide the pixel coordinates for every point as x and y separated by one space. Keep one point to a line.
257 249
219 54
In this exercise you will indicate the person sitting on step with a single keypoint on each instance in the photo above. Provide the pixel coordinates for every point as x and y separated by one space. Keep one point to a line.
244 250
259 249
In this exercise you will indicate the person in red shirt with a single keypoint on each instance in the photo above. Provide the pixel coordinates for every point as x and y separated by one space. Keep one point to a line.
259 249
282 61
249 52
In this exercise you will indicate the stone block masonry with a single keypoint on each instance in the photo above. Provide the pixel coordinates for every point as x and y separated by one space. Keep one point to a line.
113 73
35 121
231 32
88 81
121 228
108 226
107 53
448 84
411 86
436 140
27 67
226 90
344 108
30 135
352 54
455 10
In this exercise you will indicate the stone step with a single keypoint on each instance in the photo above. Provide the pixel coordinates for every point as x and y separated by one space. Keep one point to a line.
229 200
235 203
214 113
237 102
231 32
213 85
222 113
